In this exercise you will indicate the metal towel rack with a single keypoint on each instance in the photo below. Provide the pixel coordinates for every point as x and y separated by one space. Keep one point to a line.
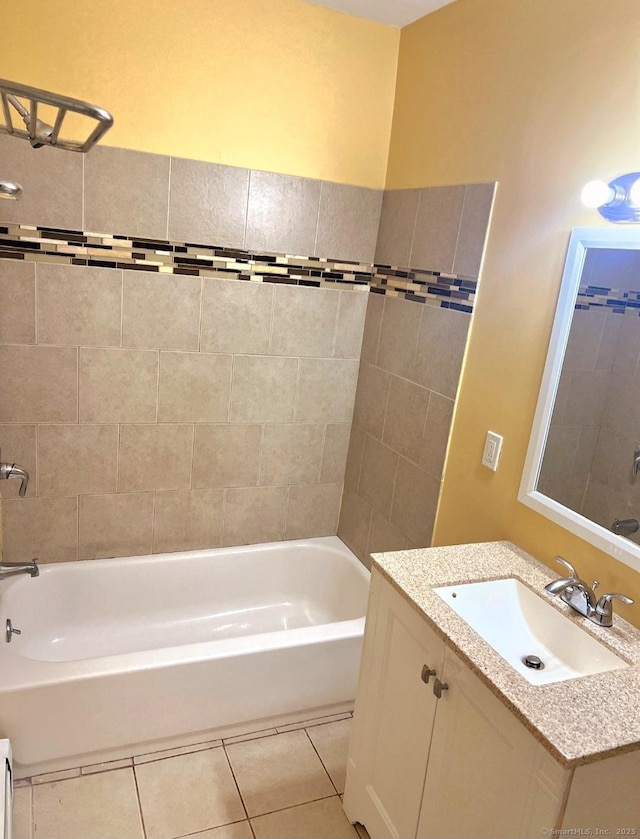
26 100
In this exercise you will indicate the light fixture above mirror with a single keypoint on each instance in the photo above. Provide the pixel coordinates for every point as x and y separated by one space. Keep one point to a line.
580 469
617 201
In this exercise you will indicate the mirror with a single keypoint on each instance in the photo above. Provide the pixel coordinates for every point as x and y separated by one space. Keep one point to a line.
583 463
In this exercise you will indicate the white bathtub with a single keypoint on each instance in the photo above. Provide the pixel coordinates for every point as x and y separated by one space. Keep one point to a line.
121 656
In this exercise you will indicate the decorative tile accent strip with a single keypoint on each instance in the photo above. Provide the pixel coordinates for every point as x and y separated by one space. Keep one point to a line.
72 247
612 299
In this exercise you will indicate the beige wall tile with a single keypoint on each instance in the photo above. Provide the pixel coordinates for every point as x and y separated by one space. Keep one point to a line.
187 793
254 514
17 302
304 321
161 311
52 184
372 326
405 419
348 221
91 805
118 385
77 459
79 305
371 399
116 525
628 343
326 389
194 387
354 458
436 434
441 345
282 214
291 453
226 455
353 527
584 340
437 225
414 503
589 396
46 528
313 511
474 224
378 475
350 328
126 192
237 830
397 223
207 202
154 457
317 818
334 456
187 521
398 336
277 772
383 536
263 389
236 316
18 445
39 384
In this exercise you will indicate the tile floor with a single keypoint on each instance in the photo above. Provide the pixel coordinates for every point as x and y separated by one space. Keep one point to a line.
271 784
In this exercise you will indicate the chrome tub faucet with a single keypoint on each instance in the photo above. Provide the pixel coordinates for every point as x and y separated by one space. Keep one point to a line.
12 569
581 596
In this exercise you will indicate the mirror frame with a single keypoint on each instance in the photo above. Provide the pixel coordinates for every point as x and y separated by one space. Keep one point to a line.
581 240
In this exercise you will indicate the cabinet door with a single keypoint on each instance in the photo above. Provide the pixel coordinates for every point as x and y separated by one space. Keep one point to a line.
393 718
487 776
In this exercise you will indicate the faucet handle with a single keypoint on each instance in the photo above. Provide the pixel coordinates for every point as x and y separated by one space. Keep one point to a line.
604 607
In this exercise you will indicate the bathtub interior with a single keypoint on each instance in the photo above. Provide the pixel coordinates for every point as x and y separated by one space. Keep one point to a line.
91 609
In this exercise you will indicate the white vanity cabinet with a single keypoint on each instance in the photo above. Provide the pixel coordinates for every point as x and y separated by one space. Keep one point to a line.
461 765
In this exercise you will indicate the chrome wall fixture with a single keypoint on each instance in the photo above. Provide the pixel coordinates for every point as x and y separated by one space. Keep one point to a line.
25 102
617 201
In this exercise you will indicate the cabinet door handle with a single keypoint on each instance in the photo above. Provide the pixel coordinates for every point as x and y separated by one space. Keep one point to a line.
438 687
427 673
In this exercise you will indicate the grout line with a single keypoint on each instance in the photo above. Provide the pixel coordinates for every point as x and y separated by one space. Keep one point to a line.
159 353
169 196
313 746
286 513
315 238
135 781
153 521
122 308
336 326
235 780
262 436
324 448
297 390
455 248
200 314
36 337
223 514
246 212
415 227
271 322
193 455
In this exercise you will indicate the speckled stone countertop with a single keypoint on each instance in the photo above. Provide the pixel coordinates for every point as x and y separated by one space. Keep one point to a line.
578 720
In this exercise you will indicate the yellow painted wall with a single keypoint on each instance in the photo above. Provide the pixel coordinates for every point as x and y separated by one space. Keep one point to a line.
279 85
540 95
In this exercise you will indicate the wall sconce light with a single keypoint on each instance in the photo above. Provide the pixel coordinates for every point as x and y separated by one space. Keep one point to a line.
617 201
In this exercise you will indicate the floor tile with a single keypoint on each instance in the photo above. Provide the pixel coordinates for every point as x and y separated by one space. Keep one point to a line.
331 741
103 806
187 793
238 830
277 772
317 820
22 823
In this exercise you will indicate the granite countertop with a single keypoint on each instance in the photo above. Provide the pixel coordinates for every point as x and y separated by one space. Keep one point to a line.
579 720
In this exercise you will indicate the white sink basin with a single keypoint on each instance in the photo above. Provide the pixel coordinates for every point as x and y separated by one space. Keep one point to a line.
517 623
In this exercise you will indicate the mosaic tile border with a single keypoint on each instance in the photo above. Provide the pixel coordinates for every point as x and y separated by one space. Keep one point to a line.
72 247
613 300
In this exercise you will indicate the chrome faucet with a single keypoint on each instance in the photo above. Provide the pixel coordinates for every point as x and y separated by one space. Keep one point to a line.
12 569
12 470
581 596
